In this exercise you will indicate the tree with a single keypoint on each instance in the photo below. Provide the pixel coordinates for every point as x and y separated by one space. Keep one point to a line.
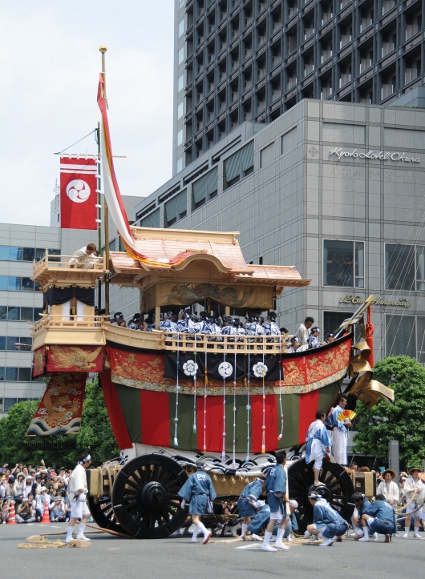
403 420
95 432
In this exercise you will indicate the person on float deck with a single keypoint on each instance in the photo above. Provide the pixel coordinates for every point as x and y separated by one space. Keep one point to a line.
276 487
270 327
378 517
303 331
296 346
253 328
327 522
79 508
246 503
313 339
318 442
330 338
167 323
227 328
198 490
136 323
205 326
340 430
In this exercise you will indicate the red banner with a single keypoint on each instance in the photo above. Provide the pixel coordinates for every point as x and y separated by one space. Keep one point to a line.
78 180
74 359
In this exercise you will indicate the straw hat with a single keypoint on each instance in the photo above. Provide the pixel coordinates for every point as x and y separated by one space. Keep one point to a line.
415 468
390 471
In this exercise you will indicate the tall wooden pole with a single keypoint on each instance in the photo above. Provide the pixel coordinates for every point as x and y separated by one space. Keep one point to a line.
103 50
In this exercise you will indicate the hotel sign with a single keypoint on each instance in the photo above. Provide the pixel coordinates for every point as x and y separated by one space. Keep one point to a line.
379 301
373 155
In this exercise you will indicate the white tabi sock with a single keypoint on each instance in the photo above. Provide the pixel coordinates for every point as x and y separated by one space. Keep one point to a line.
406 529
366 532
416 531
69 532
81 528
203 529
267 537
195 533
280 533
244 527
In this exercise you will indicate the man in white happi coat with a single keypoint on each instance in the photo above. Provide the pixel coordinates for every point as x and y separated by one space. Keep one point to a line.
79 508
389 488
414 491
318 443
340 430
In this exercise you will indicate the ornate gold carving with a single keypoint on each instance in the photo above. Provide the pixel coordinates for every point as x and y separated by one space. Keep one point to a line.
74 357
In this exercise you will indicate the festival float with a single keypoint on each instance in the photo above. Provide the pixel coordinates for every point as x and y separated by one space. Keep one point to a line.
173 397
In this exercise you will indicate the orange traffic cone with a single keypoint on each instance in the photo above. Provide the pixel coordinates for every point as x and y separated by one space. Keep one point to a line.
12 517
46 514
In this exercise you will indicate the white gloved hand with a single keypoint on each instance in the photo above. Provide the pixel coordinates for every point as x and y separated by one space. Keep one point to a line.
183 504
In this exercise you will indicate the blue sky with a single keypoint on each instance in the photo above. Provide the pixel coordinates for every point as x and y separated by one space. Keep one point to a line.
49 65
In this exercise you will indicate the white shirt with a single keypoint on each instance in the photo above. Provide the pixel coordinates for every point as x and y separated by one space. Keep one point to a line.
83 260
390 491
78 480
302 334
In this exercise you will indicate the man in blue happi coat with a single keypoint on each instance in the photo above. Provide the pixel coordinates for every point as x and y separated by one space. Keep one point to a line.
246 503
260 520
276 487
198 490
361 503
318 443
327 522
378 517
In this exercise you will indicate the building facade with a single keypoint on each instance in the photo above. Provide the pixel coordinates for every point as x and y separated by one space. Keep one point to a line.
333 188
251 60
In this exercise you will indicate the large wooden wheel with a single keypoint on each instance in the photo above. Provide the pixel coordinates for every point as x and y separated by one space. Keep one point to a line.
337 489
103 514
145 499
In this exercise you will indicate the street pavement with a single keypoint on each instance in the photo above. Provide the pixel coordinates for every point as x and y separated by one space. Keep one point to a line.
226 557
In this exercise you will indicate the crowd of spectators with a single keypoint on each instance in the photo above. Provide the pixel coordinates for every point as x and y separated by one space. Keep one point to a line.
30 488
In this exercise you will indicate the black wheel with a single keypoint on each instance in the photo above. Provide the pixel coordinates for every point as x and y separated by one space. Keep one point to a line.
337 489
102 512
145 499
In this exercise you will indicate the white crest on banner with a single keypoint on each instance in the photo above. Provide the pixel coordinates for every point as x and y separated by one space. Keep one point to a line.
225 369
78 191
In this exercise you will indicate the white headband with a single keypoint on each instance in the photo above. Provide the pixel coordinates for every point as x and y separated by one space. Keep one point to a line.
88 457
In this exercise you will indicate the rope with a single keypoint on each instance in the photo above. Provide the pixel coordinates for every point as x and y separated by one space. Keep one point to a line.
176 417
76 142
234 419
223 446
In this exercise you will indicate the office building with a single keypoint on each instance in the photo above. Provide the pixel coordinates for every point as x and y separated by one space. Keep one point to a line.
332 188
251 60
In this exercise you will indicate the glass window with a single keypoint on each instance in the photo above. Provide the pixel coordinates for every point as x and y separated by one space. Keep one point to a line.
400 266
24 374
3 312
14 283
4 252
37 311
239 165
151 220
332 321
39 253
4 282
2 343
27 284
2 373
205 188
180 138
420 268
180 83
28 254
11 374
343 263
180 110
15 253
176 208
181 55
8 403
181 28
14 313
179 164
27 314
401 336
10 343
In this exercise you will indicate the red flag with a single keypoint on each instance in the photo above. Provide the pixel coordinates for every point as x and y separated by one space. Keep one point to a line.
78 180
